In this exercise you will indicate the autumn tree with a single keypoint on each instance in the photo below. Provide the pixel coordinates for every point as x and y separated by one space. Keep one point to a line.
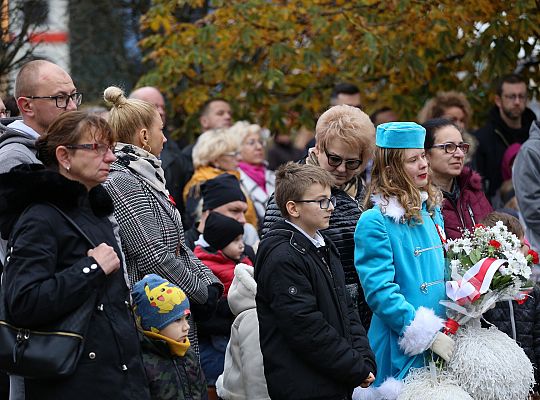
19 21
278 60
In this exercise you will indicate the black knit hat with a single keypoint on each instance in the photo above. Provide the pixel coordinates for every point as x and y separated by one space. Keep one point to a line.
220 230
223 189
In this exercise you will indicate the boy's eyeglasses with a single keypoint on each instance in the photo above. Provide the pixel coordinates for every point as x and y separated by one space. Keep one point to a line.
451 148
323 203
62 100
99 148
336 161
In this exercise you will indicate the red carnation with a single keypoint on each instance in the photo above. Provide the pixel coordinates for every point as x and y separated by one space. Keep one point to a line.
479 226
534 256
494 243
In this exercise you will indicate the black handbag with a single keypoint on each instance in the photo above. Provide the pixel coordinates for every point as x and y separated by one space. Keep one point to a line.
50 351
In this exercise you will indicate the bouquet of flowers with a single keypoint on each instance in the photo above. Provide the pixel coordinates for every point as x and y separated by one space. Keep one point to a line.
487 265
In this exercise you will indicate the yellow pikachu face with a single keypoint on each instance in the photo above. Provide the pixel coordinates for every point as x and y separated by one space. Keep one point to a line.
164 297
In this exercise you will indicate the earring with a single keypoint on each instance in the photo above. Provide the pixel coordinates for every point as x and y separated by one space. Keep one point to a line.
68 167
149 149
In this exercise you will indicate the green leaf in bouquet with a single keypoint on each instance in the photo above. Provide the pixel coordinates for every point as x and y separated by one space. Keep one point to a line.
466 261
500 282
475 255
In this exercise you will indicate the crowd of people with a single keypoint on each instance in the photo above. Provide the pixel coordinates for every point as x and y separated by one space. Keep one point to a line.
232 269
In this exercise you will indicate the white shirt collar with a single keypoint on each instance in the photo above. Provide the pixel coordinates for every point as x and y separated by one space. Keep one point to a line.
318 240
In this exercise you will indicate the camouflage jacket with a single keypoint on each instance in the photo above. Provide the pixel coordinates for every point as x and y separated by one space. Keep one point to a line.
171 377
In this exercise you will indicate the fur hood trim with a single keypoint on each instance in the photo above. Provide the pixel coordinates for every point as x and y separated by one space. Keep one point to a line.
470 178
392 207
32 183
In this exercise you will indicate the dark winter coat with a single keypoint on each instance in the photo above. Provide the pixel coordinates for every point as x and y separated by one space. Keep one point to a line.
178 168
49 274
522 323
312 341
172 377
471 206
341 231
493 140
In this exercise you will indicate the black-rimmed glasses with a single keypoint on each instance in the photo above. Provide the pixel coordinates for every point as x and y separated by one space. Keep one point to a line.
62 100
336 161
451 148
99 148
323 203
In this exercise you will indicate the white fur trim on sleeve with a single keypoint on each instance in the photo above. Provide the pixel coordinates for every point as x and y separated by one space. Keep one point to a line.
389 390
419 335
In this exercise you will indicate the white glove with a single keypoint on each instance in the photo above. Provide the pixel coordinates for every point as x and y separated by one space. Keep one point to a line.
443 346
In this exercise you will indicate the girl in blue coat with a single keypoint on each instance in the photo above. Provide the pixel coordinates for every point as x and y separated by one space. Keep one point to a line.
399 257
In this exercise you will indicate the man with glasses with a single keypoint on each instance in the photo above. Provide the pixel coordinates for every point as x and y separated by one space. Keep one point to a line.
43 91
345 138
509 122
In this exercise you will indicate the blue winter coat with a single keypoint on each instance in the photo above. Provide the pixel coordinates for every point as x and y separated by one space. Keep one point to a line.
401 267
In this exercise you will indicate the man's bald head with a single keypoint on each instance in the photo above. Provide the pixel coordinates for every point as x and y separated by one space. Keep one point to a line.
36 82
151 95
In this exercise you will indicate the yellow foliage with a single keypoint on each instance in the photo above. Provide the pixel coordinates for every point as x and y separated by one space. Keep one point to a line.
274 58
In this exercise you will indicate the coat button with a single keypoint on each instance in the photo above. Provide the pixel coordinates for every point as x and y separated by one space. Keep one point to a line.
93 266
91 355
86 270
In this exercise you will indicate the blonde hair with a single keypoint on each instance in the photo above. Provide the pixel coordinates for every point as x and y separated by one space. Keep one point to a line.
212 144
128 116
389 179
242 129
350 125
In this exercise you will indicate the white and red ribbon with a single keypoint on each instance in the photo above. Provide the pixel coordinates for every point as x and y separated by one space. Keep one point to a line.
475 281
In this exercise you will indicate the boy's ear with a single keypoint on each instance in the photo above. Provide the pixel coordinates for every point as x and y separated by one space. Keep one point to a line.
292 209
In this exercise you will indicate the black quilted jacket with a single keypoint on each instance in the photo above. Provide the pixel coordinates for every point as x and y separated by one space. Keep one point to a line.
341 232
522 323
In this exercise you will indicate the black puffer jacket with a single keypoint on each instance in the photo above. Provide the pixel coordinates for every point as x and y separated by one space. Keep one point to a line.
341 231
311 339
522 323
49 275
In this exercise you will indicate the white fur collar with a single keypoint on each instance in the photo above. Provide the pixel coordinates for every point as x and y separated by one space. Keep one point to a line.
392 207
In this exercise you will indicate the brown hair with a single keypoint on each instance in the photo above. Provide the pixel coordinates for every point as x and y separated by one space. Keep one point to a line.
68 128
511 222
128 116
293 179
436 107
350 125
389 179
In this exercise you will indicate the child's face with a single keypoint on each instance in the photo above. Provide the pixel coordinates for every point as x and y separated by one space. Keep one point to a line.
311 217
235 249
416 166
177 330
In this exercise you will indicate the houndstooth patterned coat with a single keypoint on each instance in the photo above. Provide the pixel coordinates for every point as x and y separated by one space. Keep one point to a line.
153 238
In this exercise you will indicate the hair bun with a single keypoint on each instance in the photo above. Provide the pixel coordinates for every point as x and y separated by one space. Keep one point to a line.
114 96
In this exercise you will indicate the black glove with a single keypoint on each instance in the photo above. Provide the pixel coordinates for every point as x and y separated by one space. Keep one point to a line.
202 312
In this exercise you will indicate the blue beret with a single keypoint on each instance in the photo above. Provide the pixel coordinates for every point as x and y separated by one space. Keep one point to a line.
400 135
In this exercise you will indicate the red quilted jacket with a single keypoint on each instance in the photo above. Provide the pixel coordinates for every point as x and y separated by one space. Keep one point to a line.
472 205
221 265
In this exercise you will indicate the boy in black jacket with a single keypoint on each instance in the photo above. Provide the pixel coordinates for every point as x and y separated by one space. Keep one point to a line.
312 341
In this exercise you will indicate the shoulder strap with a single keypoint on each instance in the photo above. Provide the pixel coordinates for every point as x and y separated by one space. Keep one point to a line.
73 223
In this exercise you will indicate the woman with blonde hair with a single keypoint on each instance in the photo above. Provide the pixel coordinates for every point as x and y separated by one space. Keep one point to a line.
150 225
345 138
257 180
399 254
215 153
